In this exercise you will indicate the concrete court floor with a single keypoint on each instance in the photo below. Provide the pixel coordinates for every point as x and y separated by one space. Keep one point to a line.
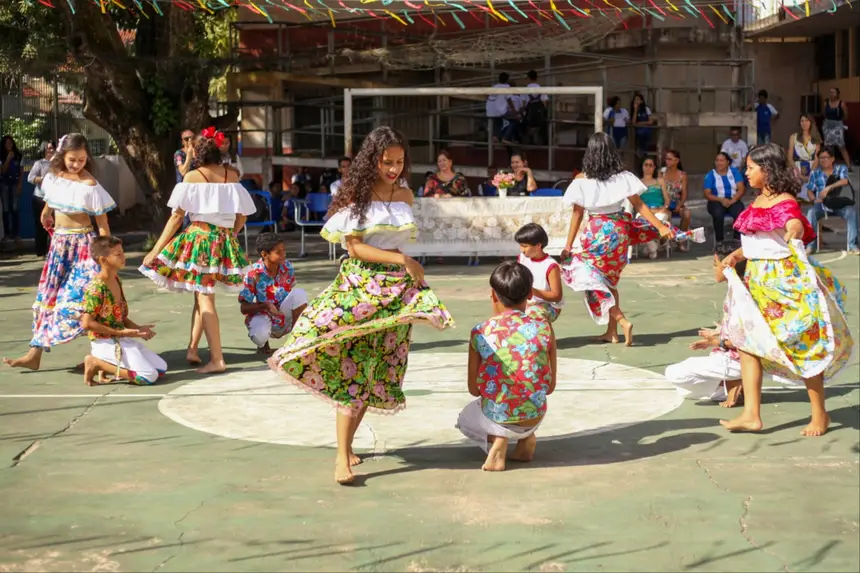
97 479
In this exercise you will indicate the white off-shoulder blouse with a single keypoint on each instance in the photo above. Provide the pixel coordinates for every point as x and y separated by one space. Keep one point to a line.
386 226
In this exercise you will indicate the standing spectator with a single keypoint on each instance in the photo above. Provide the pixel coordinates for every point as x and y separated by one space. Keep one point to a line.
343 168
618 117
446 182
803 148
642 122
229 156
825 184
11 171
766 114
536 113
37 173
500 109
835 114
184 156
724 188
737 149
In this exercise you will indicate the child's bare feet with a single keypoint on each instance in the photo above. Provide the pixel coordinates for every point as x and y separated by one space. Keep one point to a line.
92 373
743 423
627 327
525 450
817 427
212 367
343 471
734 394
192 356
611 338
266 349
496 456
31 361
354 460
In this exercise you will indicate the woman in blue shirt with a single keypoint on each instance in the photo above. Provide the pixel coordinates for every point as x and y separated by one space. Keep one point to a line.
724 188
10 185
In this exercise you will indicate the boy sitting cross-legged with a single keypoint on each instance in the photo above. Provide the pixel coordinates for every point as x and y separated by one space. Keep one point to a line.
512 369
268 300
111 331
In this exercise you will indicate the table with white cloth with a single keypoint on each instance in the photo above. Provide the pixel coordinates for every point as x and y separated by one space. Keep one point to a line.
484 226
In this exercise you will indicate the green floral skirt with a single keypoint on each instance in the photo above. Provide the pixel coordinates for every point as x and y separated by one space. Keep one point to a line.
350 345
198 259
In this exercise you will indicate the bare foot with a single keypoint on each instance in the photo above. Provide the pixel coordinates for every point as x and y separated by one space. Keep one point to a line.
31 361
343 472
496 457
817 427
212 368
525 450
354 460
742 423
628 333
734 394
610 338
267 350
93 375
192 356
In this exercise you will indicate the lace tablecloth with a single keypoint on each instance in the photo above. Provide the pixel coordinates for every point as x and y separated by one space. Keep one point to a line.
484 225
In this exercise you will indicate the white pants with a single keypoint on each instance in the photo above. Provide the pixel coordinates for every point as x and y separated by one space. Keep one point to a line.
260 326
136 357
477 427
702 377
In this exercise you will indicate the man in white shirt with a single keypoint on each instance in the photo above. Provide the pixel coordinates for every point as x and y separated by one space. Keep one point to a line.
343 167
736 148
500 108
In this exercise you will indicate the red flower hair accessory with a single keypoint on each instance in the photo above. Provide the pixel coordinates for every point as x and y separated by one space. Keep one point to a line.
210 133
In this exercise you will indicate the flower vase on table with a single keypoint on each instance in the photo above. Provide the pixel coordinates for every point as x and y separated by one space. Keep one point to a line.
503 182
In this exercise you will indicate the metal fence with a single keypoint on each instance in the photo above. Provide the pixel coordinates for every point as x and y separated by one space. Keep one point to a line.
35 109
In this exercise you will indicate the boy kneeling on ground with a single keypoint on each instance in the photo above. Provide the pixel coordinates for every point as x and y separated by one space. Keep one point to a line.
512 369
268 300
111 331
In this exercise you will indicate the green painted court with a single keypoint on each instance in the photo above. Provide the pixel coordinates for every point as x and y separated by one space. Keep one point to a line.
233 473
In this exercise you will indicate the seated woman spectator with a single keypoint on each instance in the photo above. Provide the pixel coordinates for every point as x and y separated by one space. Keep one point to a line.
526 183
445 182
825 187
724 188
675 191
803 147
655 198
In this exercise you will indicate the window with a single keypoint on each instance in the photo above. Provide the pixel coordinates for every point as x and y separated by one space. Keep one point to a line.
845 53
825 56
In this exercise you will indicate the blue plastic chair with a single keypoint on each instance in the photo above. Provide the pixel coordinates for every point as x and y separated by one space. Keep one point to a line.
488 190
317 203
547 192
271 222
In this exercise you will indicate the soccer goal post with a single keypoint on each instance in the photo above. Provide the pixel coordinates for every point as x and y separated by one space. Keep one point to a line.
350 93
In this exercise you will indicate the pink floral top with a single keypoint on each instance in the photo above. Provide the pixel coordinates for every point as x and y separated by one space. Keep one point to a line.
766 219
514 374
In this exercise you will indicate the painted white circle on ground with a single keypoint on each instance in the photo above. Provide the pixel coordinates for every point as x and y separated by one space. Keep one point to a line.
259 406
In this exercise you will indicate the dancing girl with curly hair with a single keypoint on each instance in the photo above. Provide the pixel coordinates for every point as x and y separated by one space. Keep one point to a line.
789 318
207 252
601 190
350 345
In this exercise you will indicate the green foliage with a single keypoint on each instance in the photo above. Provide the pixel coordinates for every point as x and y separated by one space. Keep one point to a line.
28 133
31 37
163 113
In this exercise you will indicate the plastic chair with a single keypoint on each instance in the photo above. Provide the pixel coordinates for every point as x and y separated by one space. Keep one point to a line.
487 190
562 184
547 192
317 203
270 222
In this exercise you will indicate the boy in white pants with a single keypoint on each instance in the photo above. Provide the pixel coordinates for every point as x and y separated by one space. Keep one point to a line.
112 333
268 300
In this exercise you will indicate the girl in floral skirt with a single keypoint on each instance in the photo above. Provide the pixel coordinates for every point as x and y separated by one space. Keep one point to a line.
72 198
790 320
601 190
207 252
350 345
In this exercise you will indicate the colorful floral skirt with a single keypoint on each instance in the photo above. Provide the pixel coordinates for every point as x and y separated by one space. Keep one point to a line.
597 268
790 313
198 259
350 345
543 310
59 302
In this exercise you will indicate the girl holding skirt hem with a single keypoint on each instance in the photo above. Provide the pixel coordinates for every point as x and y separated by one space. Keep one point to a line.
207 253
601 190
350 345
789 320
72 198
